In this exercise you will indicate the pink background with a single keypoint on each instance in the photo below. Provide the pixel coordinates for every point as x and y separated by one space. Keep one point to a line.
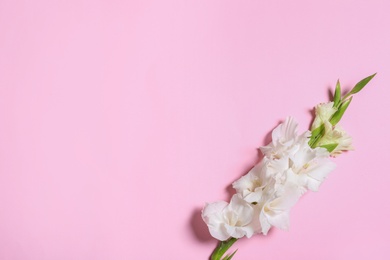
120 119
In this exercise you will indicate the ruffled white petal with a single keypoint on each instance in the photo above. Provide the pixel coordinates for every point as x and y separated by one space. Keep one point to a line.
283 139
212 215
229 220
251 185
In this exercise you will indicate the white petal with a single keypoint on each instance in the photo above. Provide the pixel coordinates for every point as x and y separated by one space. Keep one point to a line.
219 232
289 197
255 225
250 185
212 215
242 209
283 139
214 211
280 220
236 232
286 131
277 210
317 174
265 225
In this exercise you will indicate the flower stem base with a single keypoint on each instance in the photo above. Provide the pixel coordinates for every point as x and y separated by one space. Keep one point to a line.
221 249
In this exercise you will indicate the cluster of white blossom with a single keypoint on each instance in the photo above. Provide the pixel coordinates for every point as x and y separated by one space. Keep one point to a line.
266 194
292 165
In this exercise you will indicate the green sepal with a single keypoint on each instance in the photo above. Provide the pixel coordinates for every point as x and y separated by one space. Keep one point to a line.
329 147
340 112
360 85
337 94
229 257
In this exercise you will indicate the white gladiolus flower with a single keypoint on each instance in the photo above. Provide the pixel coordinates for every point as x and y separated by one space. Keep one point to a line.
336 135
275 212
251 186
324 112
230 220
300 164
309 167
284 139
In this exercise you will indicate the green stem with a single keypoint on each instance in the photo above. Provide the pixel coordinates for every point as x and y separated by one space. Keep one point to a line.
317 139
222 247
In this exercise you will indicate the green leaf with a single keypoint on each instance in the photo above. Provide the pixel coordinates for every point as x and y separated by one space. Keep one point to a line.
360 85
337 94
340 112
329 147
229 257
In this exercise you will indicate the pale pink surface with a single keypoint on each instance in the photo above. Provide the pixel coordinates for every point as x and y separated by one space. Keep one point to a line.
119 119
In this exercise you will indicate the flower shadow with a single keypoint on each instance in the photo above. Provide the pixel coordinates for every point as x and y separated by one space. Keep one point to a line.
267 139
199 228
